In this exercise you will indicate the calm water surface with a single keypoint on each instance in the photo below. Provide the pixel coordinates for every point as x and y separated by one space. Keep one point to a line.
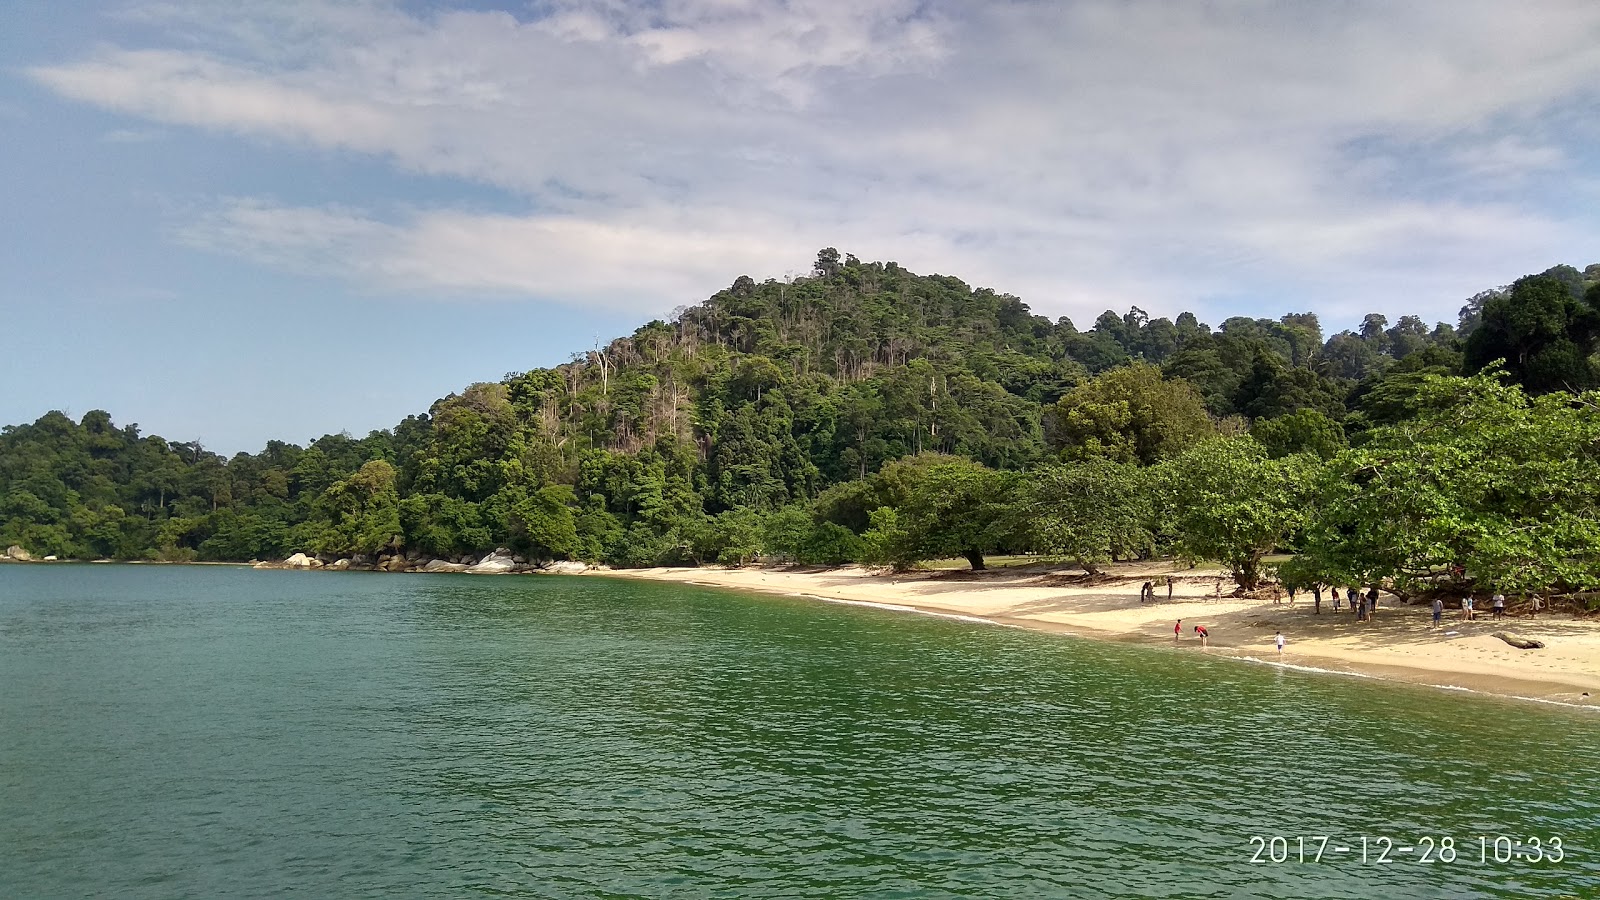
200 732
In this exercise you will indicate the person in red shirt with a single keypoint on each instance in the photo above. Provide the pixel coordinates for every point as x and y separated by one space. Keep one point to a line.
1201 630
1177 630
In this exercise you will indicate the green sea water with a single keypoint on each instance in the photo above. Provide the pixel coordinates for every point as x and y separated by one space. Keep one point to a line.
176 732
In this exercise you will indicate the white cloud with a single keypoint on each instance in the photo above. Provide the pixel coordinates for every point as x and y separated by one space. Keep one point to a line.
1081 155
131 136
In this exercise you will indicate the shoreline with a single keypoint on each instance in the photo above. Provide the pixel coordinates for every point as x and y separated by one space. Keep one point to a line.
1398 645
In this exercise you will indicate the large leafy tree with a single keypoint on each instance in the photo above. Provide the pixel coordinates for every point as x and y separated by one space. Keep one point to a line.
1089 512
945 506
1485 478
1131 414
363 512
1227 500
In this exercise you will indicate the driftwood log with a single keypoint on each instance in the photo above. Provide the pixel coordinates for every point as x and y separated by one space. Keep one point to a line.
1519 642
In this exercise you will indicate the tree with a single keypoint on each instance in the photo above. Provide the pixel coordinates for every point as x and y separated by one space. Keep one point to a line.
1128 414
1302 431
1486 478
1544 333
1089 512
364 512
542 524
950 507
1228 501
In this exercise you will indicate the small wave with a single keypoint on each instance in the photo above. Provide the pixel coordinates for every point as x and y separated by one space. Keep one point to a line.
896 607
1299 667
1443 687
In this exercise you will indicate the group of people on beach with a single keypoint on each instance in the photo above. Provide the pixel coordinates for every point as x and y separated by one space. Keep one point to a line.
1497 604
1148 591
1362 605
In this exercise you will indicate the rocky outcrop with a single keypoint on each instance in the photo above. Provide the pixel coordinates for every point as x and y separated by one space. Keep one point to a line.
17 553
440 565
339 565
565 567
298 561
1518 641
497 563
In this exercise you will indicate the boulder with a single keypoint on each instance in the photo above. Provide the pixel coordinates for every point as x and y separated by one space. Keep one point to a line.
493 564
566 567
298 561
339 565
1518 641
18 554
263 565
440 565
49 559
396 563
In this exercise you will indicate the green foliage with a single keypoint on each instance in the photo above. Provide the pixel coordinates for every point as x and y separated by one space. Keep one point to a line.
363 512
1302 431
1486 478
795 534
948 506
1132 414
1228 501
1545 331
1089 512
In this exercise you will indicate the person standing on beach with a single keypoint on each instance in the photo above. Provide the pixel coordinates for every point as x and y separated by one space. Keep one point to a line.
1372 602
1438 611
1466 607
1201 630
1279 639
1499 603
1169 587
1361 611
1335 599
1177 631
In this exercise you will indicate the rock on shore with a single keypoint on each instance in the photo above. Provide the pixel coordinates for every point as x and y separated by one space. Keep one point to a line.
497 563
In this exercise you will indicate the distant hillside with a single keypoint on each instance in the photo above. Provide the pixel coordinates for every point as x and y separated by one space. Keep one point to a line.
757 401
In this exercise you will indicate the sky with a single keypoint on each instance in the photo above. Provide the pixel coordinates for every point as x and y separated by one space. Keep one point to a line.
236 222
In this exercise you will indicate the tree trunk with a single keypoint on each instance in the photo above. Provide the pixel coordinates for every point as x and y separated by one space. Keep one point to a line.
974 557
1247 575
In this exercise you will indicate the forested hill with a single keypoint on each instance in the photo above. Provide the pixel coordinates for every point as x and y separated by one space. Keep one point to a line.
761 421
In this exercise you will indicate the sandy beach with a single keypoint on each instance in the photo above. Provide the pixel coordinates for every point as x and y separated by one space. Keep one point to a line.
1399 643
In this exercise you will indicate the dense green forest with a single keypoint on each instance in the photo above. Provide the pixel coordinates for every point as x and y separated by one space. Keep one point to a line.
865 413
